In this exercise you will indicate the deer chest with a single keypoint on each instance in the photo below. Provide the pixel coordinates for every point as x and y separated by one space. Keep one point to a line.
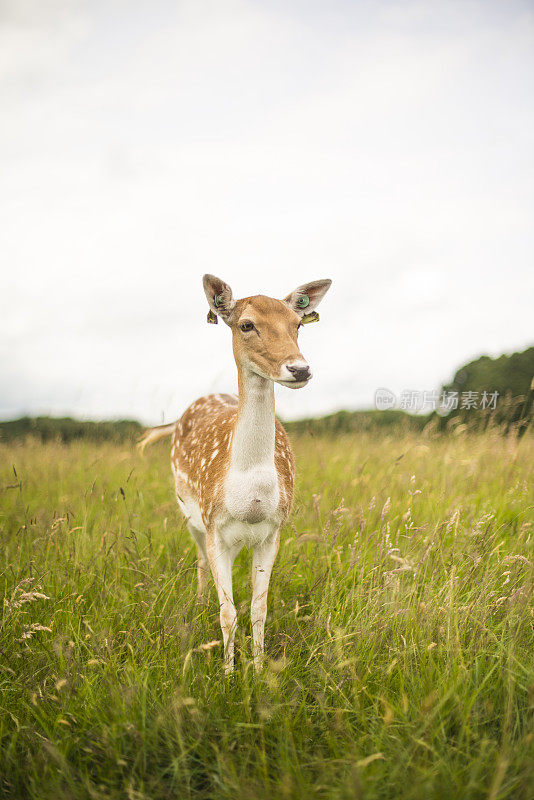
252 495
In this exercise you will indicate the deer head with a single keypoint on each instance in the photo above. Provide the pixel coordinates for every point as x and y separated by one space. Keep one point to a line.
265 330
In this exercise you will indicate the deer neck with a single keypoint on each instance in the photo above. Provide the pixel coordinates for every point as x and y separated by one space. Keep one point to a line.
254 432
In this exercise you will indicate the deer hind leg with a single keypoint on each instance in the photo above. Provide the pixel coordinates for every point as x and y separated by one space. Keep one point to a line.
263 558
202 563
221 560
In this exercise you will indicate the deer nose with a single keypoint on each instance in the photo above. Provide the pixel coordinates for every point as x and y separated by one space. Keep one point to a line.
300 373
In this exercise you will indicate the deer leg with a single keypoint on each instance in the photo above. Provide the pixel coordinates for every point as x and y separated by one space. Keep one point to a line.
202 562
263 557
221 560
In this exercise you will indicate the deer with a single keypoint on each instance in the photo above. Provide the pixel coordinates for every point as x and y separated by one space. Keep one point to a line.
231 458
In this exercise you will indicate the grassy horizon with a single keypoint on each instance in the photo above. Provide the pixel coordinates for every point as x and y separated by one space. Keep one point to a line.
399 637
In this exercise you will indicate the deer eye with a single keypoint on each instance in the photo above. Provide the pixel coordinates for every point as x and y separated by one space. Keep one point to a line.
246 326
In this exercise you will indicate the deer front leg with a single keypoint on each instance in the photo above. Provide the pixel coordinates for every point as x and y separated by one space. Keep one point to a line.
221 560
263 557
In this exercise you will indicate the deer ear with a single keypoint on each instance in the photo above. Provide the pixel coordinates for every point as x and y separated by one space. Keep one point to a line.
220 298
305 299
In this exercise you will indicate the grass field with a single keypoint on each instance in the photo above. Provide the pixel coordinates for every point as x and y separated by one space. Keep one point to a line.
399 636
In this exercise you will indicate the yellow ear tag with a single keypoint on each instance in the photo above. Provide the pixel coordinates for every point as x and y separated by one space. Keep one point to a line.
313 316
212 318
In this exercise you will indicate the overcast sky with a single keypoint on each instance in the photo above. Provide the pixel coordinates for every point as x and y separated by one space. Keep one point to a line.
385 145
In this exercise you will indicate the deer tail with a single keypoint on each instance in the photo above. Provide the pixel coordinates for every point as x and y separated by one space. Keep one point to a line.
155 434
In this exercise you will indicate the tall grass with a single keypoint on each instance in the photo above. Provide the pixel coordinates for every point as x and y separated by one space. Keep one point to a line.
399 636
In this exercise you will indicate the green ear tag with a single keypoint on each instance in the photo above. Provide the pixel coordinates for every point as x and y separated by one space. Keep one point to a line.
303 301
313 316
212 317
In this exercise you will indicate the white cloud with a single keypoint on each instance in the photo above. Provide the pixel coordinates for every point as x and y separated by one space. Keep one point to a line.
385 146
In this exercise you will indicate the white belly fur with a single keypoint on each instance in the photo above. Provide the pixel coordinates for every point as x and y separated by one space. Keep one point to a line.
234 532
191 511
252 495
237 534
251 500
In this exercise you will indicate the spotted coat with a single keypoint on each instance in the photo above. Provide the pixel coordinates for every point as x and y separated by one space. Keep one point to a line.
201 451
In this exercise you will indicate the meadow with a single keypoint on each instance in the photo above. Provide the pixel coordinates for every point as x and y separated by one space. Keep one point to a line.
399 637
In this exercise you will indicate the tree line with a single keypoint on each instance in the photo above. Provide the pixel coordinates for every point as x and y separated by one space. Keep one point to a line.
510 376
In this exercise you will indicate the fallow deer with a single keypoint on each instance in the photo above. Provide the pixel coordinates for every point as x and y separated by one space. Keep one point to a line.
231 458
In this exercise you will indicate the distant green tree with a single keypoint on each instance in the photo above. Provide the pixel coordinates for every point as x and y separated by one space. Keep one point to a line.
65 429
357 421
511 376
